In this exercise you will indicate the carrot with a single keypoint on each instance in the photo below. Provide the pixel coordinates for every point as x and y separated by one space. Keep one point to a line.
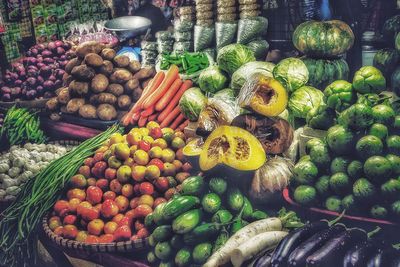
147 112
183 125
171 75
177 121
153 117
171 116
142 121
174 102
155 82
167 97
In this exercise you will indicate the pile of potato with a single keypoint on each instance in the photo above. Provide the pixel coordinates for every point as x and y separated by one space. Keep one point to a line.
98 83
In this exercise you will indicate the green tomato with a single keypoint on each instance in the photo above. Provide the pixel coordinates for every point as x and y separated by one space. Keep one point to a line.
369 79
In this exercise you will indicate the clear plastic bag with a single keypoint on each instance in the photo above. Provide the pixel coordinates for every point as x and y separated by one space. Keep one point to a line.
203 37
249 89
164 35
251 28
146 45
225 33
210 52
183 46
183 36
183 26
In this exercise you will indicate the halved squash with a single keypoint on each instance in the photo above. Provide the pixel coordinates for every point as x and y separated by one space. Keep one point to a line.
192 151
233 147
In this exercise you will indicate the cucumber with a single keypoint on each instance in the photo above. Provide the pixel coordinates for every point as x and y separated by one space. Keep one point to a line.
201 253
151 258
179 205
187 221
149 221
221 240
222 216
202 233
152 242
183 257
162 233
176 242
217 185
211 203
235 199
193 186
247 208
163 251
158 214
166 264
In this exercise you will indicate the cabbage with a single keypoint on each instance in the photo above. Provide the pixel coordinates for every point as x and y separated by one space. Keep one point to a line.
226 93
192 103
304 99
212 79
292 73
233 56
240 76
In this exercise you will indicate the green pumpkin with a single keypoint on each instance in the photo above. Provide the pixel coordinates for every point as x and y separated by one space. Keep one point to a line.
323 72
323 38
386 61
391 27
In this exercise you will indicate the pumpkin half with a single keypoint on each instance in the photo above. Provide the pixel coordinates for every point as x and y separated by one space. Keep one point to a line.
192 151
233 147
268 96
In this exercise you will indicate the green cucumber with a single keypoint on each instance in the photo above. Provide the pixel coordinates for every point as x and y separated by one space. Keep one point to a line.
158 214
179 205
211 203
193 186
163 251
247 208
201 253
162 233
187 221
176 241
217 185
183 257
235 199
202 233
149 221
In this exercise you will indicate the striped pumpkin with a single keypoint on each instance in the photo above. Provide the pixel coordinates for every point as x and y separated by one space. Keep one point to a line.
323 72
323 38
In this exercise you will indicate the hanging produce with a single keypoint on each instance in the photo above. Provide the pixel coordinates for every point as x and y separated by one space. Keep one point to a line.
323 38
292 73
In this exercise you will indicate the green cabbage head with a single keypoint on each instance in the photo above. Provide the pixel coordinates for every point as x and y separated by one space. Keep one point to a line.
292 73
192 103
212 79
233 56
304 99
368 80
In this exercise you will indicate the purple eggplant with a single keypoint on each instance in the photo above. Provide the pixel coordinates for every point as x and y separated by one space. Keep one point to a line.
299 255
332 253
264 260
358 255
383 258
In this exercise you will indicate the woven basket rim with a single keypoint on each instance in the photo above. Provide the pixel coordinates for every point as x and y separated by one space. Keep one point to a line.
123 246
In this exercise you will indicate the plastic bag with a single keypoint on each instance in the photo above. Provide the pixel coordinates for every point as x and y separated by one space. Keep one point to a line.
181 47
183 26
251 28
203 37
146 45
149 53
226 17
164 35
205 22
183 36
260 48
249 14
210 52
218 111
204 7
250 88
225 33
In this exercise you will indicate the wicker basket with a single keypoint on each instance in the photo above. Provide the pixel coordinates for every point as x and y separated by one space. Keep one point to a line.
38 104
120 247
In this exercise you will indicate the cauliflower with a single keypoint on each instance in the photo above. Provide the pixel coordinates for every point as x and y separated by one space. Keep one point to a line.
34 168
14 171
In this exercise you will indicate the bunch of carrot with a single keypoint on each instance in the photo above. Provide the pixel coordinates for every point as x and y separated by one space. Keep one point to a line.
159 101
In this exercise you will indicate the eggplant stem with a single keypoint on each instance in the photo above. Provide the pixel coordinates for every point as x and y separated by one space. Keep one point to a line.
373 232
289 219
334 221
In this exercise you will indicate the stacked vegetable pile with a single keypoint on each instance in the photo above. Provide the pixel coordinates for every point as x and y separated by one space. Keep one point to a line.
204 30
159 101
387 59
194 225
98 81
356 167
326 42
113 191
20 126
325 243
20 164
183 32
38 74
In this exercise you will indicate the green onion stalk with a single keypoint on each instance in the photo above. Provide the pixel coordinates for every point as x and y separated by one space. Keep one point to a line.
37 196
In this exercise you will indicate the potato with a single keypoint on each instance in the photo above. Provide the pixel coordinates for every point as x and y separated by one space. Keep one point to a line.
103 98
121 61
106 112
124 102
71 64
108 53
137 93
107 68
79 88
88 111
134 66
145 82
131 85
52 104
115 89
145 73
120 76
88 47
74 104
67 79
99 83
93 60
63 97
55 116
83 73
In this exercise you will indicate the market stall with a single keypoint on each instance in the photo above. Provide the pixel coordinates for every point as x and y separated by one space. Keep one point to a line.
186 147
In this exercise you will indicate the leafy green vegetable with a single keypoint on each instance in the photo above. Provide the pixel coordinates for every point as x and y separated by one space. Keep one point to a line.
192 103
369 79
304 99
233 56
212 79
340 95
292 73
260 48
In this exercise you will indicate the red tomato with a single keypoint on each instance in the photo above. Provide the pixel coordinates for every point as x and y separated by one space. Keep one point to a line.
146 188
157 162
162 184
144 145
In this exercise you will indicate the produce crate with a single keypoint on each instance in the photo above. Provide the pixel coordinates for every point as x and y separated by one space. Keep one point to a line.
308 134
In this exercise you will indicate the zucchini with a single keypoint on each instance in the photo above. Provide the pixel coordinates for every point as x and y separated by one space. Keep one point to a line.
235 199
179 205
202 233
162 233
193 186
183 257
187 221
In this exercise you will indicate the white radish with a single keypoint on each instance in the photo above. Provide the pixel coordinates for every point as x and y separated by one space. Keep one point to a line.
223 255
256 244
